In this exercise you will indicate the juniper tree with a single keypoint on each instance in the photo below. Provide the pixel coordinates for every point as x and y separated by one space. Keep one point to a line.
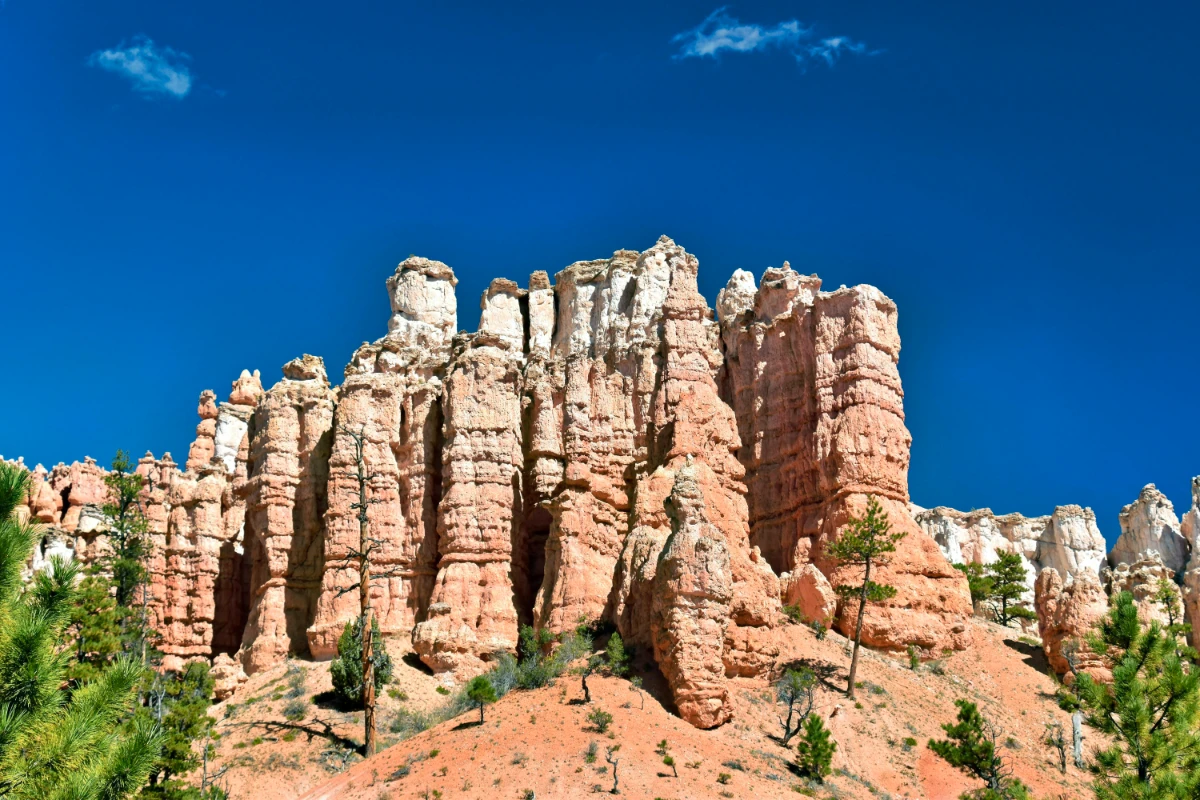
1007 576
1149 712
971 747
179 706
346 670
865 542
53 745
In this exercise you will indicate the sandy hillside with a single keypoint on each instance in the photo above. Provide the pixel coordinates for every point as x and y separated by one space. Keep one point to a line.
538 741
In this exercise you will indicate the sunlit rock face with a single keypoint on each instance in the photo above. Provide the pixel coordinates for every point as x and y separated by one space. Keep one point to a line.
600 450
812 378
1149 524
1067 540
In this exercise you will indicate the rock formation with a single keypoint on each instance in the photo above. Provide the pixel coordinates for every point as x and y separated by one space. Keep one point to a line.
1149 524
601 449
1142 579
813 381
811 593
693 592
1067 612
1067 540
285 520
392 397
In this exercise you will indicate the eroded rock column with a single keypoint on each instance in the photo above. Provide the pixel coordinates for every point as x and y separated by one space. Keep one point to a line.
473 614
285 522
392 397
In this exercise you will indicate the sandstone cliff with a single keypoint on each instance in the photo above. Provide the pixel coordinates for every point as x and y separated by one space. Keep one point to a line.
812 378
601 449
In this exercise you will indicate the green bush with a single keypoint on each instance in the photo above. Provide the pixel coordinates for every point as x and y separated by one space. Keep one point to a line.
346 669
600 719
814 753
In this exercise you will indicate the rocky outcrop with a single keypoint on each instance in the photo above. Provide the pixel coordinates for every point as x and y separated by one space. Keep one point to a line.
1067 612
1142 579
391 396
1067 540
286 505
693 592
1149 524
601 449
813 381
811 593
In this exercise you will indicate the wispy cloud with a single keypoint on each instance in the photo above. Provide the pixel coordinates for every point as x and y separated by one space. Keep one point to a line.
720 32
152 69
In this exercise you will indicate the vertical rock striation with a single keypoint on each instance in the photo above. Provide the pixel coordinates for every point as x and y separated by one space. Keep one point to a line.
285 520
392 397
812 378
473 613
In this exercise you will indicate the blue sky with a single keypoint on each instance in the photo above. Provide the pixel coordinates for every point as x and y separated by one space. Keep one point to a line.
193 188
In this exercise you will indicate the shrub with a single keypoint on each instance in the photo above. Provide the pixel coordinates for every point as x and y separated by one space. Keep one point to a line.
346 669
819 629
295 710
442 690
724 778
592 749
914 657
600 719
794 614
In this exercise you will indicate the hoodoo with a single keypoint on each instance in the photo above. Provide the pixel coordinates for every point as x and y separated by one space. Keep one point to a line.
602 449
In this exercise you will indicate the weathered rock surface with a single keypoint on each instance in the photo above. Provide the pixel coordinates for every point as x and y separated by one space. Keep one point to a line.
1067 540
1142 579
1067 612
473 612
600 449
391 396
811 592
1149 524
813 381
693 590
285 521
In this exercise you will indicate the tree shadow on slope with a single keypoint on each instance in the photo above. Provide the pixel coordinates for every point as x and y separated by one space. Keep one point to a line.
1035 657
831 676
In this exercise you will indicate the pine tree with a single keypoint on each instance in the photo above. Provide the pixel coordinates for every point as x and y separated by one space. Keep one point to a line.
618 659
129 533
1149 712
481 692
865 542
52 745
814 753
178 703
346 670
1007 575
971 747
978 582
95 627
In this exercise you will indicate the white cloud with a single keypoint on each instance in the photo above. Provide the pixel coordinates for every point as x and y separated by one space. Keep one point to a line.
152 69
719 31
